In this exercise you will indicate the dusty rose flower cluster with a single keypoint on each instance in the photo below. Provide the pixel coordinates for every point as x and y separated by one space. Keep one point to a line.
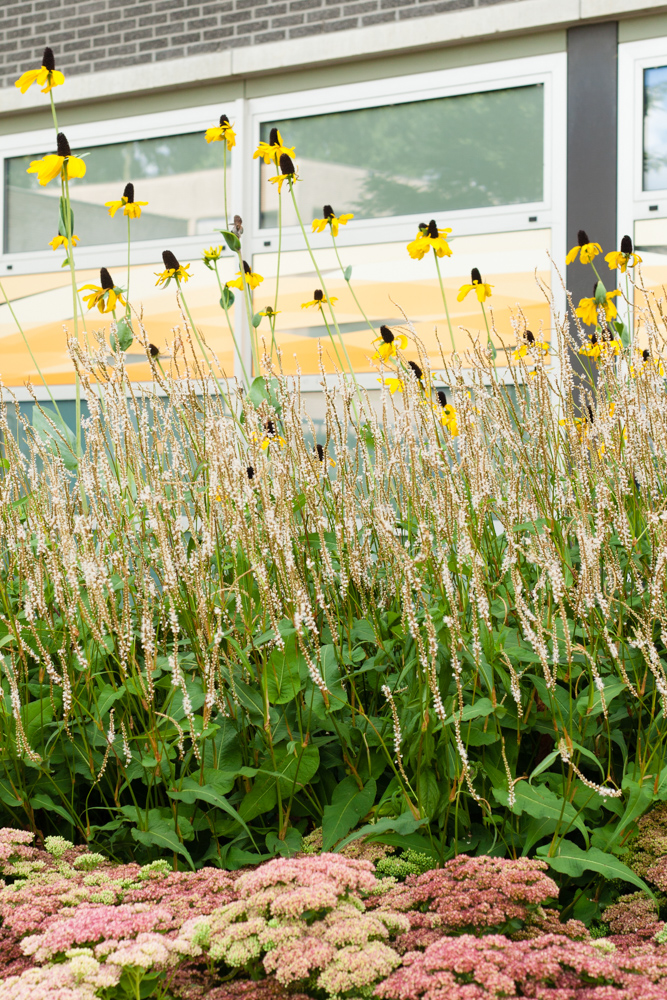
469 894
634 915
649 845
551 967
303 920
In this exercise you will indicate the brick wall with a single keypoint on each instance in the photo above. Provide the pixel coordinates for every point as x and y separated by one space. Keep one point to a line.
94 35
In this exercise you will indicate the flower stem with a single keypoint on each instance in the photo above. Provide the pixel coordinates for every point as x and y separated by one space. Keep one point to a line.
444 302
224 178
53 112
127 295
349 284
321 279
199 341
75 302
230 324
249 312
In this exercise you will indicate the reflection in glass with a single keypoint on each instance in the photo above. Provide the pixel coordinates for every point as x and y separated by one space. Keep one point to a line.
387 281
470 151
179 176
655 128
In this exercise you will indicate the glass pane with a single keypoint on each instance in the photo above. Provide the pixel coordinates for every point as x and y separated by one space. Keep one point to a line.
470 151
43 306
655 128
651 244
181 178
508 261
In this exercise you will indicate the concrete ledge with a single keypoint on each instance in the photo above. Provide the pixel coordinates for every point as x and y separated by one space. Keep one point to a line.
516 17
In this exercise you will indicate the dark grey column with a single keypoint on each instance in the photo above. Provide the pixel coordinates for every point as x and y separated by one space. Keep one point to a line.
592 116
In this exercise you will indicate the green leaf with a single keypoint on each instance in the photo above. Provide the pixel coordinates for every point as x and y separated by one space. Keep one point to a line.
227 298
540 802
59 439
600 294
192 791
160 834
106 698
256 320
571 860
404 824
613 686
44 801
348 804
283 673
293 771
231 239
62 219
122 339
347 273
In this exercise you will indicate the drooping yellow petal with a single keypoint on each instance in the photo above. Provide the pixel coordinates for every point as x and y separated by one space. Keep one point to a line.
27 79
52 79
113 207
573 254
76 167
463 291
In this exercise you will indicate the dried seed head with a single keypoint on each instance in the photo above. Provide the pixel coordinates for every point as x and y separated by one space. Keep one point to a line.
153 350
415 369
319 451
286 165
433 229
582 238
106 281
274 137
129 192
318 295
475 276
63 145
224 121
246 267
386 334
442 398
328 212
646 354
48 60
626 245
169 260
270 428
529 337
250 472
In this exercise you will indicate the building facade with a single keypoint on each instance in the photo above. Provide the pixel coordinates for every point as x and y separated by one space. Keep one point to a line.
514 123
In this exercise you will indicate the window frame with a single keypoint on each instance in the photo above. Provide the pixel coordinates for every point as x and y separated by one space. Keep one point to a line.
633 201
102 133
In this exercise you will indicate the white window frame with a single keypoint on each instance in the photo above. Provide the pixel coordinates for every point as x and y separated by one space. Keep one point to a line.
633 201
102 133
549 70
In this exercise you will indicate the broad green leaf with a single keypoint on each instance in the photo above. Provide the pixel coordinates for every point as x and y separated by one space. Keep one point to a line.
231 239
227 298
122 339
59 440
348 804
429 792
257 319
106 698
480 709
160 834
571 860
540 802
404 825
613 686
283 673
293 771
191 791
42 800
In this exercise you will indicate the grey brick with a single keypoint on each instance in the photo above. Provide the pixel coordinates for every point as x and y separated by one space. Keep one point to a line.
218 8
307 29
251 26
329 14
202 22
121 61
288 21
304 4
169 4
169 54
388 15
384 4
137 35
101 41
122 50
189 39
360 8
154 43
242 4
269 36
434 8
153 19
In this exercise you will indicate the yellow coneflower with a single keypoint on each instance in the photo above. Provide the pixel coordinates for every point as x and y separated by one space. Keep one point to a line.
222 132
623 258
62 241
320 453
530 347
393 384
287 172
252 279
131 208
599 344
446 413
389 343
172 269
105 295
270 436
647 365
52 164
332 220
481 288
318 300
272 150
212 254
584 249
587 310
47 73
430 236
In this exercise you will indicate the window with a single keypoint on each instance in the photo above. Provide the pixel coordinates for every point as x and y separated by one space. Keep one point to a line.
655 128
180 177
450 153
